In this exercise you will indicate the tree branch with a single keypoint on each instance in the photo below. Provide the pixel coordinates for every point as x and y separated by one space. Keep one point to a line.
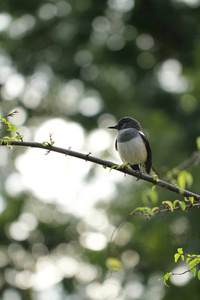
99 161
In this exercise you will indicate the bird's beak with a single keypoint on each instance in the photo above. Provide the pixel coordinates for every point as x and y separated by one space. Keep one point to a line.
113 127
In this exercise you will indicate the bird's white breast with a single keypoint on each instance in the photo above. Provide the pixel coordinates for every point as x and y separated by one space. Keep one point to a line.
133 151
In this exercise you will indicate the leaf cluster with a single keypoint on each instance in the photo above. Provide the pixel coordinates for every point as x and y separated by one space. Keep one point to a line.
193 261
12 129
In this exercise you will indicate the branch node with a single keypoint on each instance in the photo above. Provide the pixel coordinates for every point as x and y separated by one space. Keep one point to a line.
20 136
88 156
68 149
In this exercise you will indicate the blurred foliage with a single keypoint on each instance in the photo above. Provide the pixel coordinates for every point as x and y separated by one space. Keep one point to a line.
84 61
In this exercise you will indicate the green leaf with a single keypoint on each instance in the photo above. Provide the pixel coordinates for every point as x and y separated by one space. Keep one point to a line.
198 274
169 203
174 203
150 195
188 259
191 199
193 263
176 257
198 143
193 271
183 205
124 166
184 178
114 264
155 177
13 129
154 209
44 144
146 210
179 254
17 138
180 250
104 166
166 277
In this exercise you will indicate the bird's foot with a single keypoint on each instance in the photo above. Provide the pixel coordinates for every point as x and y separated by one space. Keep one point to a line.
139 174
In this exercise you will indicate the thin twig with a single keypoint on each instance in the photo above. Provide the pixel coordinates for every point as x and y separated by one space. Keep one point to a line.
186 271
193 160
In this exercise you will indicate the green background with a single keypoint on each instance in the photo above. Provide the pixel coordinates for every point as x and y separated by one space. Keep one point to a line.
138 59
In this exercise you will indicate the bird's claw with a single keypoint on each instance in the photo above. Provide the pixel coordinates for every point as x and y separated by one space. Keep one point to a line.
139 175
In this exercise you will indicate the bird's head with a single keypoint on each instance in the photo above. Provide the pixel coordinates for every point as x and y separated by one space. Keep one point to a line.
125 123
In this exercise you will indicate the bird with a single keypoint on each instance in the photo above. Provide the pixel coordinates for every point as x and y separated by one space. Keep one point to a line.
133 145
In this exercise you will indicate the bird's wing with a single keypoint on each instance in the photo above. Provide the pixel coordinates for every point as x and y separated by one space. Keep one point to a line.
116 145
148 163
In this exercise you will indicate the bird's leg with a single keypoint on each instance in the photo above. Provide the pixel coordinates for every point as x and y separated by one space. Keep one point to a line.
138 169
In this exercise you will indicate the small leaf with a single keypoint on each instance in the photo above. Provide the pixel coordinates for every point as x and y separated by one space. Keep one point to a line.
166 277
174 203
123 166
143 209
104 166
198 143
169 203
17 138
150 195
155 208
154 196
183 205
193 271
13 129
44 144
114 264
180 250
184 178
188 259
155 177
198 274
181 180
193 263
176 257
191 199
113 167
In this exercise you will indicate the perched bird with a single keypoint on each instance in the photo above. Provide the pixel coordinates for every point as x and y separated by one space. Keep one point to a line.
133 145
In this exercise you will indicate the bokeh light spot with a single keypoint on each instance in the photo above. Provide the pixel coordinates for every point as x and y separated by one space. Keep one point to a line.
115 42
180 280
144 41
121 5
13 86
47 11
170 78
5 20
90 106
93 240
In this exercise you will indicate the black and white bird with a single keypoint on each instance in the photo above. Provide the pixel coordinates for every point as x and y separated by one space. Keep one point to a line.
133 145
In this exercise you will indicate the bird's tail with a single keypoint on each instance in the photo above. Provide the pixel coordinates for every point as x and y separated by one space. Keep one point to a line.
156 172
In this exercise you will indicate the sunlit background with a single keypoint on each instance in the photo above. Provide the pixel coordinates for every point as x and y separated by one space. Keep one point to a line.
72 68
